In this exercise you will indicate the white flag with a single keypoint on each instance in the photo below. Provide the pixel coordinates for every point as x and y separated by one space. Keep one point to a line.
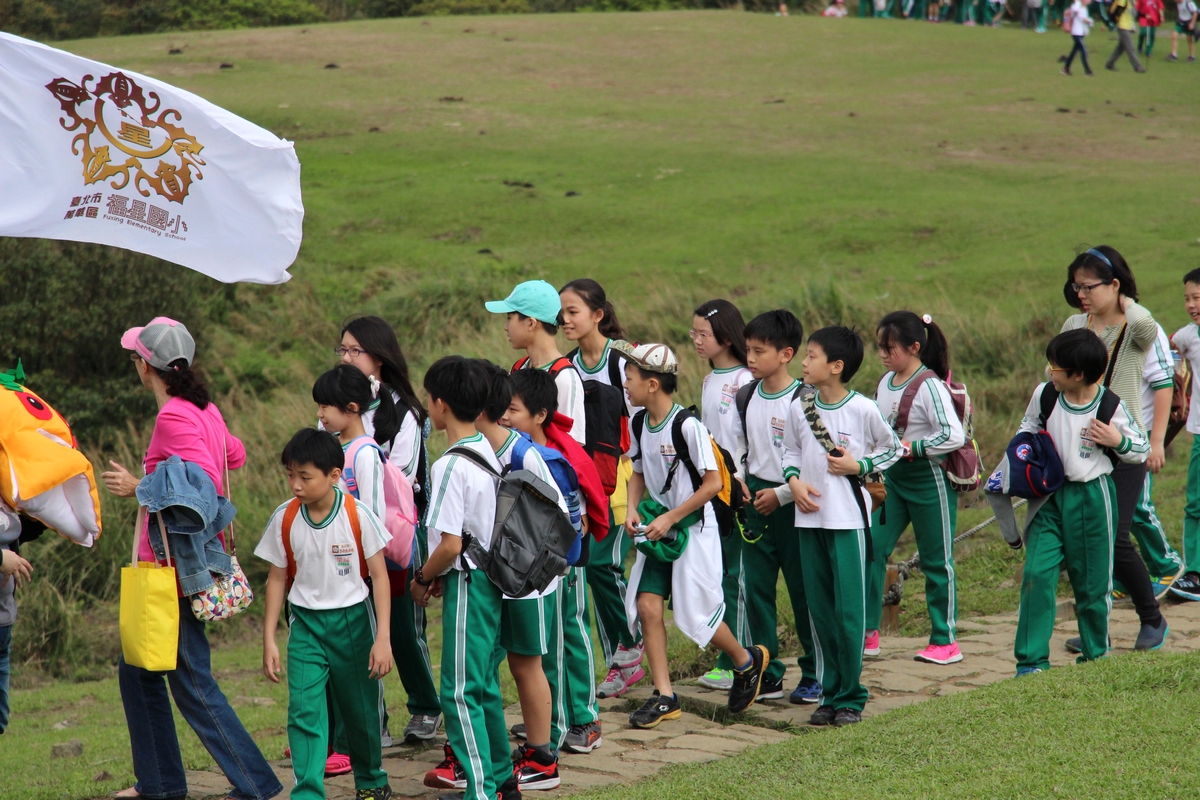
91 153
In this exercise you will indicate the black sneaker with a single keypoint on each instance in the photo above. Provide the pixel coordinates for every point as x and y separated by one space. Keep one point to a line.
1075 644
509 790
769 690
655 710
846 716
822 716
748 682
518 731
1187 587
1152 637
379 793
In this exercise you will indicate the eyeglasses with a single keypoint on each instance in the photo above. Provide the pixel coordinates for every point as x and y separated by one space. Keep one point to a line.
1051 369
134 357
1086 288
698 336
353 352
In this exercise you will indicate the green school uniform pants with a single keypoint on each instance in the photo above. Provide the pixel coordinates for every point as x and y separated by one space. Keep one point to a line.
1074 529
835 585
1160 557
1146 39
332 647
606 578
410 650
777 548
1191 511
471 703
866 8
917 492
570 664
733 586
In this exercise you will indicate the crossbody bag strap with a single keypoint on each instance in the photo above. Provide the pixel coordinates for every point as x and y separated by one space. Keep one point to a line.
1116 352
821 433
228 492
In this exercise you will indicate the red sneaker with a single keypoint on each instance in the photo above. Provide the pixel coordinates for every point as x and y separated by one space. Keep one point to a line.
534 772
449 774
940 654
871 644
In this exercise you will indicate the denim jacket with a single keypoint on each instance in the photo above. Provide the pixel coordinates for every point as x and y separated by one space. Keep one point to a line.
193 514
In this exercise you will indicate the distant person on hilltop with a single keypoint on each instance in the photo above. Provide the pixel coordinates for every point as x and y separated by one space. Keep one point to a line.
835 9
1122 11
1149 16
1079 23
1185 23
1034 15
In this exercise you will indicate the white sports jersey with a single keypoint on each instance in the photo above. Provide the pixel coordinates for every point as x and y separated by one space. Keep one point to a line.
762 441
858 429
464 497
1187 342
718 410
1159 373
570 398
1083 460
657 452
328 574
934 428
533 462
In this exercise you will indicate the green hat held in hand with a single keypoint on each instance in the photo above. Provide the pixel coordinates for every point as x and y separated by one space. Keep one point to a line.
669 548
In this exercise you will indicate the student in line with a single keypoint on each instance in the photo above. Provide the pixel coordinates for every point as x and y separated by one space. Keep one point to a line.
1187 341
590 321
718 335
463 502
770 543
915 353
830 520
321 546
1076 526
677 526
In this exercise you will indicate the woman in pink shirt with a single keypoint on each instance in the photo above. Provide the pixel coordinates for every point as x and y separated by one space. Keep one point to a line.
190 426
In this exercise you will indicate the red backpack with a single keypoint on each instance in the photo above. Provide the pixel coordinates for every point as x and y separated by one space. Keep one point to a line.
963 467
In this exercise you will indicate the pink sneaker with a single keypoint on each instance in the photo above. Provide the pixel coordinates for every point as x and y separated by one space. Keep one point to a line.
871 644
940 654
337 764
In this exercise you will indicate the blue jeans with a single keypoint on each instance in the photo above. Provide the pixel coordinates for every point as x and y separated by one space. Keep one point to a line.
1082 51
157 762
5 648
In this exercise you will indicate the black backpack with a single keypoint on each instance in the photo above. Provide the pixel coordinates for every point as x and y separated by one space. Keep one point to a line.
605 428
531 537
728 514
1104 412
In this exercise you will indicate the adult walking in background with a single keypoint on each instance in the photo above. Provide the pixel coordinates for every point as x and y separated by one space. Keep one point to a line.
1122 13
189 426
1101 285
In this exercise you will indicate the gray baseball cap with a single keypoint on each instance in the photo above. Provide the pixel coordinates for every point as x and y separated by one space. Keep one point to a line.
160 342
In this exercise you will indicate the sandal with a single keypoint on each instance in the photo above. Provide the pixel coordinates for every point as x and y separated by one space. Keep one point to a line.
127 794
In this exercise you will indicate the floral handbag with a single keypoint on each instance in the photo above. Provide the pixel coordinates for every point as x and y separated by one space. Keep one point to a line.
231 594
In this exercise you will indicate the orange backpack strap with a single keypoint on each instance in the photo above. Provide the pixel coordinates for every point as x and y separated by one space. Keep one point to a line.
352 513
289 516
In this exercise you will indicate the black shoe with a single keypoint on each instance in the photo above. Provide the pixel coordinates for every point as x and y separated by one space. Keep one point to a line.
655 710
748 682
1075 644
822 716
846 716
518 731
380 793
1187 587
769 690
1110 68
509 790
1152 637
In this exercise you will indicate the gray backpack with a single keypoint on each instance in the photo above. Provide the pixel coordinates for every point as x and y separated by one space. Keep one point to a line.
531 536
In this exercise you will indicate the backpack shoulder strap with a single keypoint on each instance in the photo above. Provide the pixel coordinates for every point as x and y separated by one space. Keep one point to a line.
800 387
637 425
474 458
521 362
615 377
1108 406
1049 398
560 363
285 533
907 398
356 529
742 400
682 453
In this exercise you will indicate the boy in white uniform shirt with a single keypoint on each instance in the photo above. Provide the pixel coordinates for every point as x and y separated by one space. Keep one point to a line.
832 522
1187 341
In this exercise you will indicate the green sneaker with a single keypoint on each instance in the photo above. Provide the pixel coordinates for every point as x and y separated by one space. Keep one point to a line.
717 679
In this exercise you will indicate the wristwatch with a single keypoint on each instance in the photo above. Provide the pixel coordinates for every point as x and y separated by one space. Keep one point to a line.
420 578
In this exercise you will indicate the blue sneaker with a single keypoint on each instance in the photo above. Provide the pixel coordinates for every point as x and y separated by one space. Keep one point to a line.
1023 671
807 691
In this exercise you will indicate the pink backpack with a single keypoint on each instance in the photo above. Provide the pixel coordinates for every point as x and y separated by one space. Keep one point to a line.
399 508
963 466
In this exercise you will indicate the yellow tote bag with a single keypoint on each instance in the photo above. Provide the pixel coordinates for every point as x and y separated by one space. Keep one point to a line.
149 609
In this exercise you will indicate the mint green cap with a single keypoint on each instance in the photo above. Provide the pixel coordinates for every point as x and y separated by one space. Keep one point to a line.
536 299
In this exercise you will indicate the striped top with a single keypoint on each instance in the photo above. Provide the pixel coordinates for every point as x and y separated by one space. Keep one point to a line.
1139 340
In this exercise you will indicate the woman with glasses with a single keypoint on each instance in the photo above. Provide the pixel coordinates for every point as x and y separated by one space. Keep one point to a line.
1101 285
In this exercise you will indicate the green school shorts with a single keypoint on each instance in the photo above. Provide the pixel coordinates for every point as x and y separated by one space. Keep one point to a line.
525 625
656 577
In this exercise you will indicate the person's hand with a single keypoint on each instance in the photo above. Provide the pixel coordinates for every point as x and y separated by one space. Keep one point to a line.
1104 434
119 481
803 495
906 450
583 524
766 501
659 526
745 488
633 520
435 589
271 665
420 594
381 659
1158 456
845 464
12 564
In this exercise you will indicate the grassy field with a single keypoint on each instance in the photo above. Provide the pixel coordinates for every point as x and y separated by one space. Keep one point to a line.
842 168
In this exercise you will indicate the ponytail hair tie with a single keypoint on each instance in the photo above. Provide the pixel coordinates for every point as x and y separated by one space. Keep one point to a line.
374 386
928 320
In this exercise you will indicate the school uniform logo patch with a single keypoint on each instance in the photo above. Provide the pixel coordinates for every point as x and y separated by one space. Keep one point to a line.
777 426
341 557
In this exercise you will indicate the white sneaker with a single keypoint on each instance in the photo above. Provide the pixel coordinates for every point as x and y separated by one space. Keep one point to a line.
626 657
618 681
717 679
